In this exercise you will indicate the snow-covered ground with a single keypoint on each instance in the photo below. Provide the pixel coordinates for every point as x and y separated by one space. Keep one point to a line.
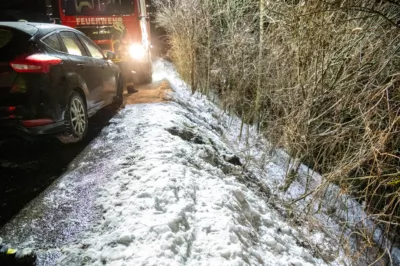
171 184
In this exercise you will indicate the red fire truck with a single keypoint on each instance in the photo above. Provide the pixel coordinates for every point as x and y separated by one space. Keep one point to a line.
121 26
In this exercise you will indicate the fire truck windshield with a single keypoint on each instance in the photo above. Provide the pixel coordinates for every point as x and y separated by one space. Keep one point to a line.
33 5
97 7
30 10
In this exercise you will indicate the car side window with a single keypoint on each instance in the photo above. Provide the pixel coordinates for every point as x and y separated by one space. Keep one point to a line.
53 42
71 42
93 49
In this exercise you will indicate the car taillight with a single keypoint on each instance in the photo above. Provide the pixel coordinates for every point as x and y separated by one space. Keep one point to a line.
36 63
37 122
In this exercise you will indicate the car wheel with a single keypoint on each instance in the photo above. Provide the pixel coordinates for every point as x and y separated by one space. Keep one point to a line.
119 97
120 92
76 120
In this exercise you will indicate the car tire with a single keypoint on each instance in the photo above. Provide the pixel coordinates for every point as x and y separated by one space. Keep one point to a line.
119 98
76 119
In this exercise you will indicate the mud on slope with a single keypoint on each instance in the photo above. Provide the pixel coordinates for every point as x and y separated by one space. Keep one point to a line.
150 93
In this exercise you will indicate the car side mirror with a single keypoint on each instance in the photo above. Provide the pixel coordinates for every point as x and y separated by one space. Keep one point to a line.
111 55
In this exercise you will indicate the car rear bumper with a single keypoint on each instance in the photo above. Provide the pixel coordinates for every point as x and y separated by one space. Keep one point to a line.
16 128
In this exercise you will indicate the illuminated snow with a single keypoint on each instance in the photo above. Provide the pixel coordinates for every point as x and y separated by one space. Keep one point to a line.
162 186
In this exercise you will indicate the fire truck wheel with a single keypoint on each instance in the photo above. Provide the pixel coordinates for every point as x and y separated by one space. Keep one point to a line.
148 79
131 89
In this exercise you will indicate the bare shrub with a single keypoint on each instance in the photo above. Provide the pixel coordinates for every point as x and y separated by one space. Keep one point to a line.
320 78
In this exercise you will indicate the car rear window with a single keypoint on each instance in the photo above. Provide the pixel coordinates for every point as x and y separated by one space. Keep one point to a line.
12 43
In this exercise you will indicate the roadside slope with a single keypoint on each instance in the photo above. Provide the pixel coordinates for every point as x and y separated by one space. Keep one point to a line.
159 186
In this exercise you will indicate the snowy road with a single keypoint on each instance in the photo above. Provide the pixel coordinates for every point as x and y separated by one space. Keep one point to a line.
159 186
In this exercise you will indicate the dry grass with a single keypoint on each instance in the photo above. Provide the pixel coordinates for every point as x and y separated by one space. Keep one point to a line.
319 78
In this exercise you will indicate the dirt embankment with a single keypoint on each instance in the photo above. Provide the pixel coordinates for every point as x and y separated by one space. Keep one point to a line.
150 93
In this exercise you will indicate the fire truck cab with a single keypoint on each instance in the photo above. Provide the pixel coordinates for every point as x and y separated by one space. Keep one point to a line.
120 26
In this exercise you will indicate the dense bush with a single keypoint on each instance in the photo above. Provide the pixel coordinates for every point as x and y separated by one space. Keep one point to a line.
319 78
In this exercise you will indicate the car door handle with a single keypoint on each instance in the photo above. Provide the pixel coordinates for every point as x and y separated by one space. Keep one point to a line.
80 65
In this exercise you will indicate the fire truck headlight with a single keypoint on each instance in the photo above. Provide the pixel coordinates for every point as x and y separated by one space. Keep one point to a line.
137 51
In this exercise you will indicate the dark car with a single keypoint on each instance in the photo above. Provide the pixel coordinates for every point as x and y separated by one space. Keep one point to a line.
52 78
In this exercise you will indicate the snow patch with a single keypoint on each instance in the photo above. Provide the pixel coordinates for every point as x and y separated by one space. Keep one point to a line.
170 186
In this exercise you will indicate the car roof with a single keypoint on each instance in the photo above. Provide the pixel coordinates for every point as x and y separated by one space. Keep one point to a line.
21 26
32 28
